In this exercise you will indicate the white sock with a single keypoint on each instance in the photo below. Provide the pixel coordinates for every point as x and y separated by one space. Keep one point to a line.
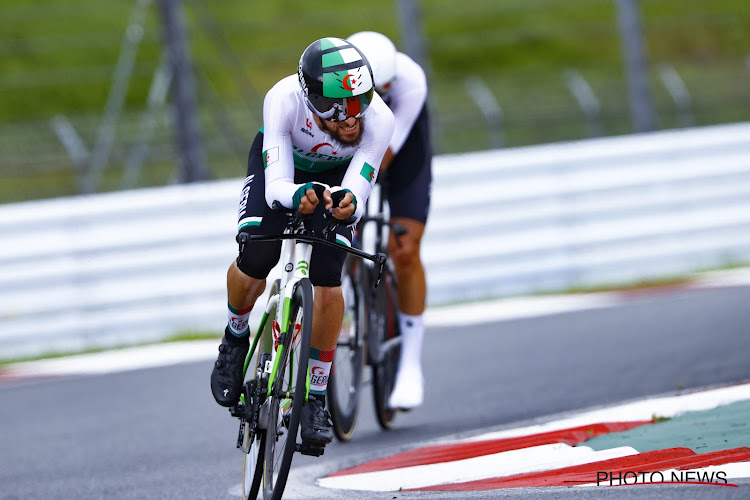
412 335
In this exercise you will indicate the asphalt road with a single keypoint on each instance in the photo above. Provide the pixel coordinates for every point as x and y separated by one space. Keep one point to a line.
157 433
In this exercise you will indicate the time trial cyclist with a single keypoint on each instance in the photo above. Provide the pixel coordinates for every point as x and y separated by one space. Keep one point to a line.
407 166
324 125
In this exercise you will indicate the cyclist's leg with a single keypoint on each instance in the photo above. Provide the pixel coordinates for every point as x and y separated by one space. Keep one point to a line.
328 311
246 280
409 180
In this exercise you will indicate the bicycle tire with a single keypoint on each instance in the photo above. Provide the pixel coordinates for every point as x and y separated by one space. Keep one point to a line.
283 424
253 461
384 372
345 381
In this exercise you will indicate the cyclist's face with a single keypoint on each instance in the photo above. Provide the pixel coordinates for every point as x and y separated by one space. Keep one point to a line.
348 131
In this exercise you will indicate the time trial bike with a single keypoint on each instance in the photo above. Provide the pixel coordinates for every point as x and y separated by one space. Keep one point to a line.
276 368
370 331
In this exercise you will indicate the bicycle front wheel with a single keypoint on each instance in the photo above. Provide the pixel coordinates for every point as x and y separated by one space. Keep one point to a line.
254 439
288 393
346 372
385 333
252 469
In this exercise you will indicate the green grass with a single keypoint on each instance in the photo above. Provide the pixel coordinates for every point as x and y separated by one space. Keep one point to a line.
183 337
58 57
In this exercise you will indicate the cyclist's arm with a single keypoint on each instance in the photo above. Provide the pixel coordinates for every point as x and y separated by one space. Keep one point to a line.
363 169
387 159
409 94
279 113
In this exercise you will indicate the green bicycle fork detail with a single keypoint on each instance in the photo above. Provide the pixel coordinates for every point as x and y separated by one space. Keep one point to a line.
258 334
285 321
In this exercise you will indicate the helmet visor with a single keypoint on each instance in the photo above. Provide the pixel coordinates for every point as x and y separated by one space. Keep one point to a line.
339 108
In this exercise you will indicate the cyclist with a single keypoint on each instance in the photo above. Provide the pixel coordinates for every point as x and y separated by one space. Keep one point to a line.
407 166
324 125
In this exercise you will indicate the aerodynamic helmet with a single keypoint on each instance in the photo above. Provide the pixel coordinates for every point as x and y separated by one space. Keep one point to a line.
381 53
336 79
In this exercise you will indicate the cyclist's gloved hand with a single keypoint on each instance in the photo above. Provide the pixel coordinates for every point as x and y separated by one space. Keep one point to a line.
343 204
308 195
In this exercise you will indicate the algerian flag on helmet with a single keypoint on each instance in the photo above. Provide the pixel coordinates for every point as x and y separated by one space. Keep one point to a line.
345 72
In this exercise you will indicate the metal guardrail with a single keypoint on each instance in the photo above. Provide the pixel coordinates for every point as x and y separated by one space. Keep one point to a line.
132 266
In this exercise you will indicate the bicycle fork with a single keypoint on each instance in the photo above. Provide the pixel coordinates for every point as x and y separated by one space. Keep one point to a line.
297 268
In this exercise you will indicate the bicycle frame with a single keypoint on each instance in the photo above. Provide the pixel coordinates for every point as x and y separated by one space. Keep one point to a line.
295 259
296 250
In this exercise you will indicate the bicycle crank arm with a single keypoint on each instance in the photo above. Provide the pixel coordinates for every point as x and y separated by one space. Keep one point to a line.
389 345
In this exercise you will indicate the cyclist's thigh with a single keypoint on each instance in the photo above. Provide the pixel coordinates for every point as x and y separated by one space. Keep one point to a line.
327 262
410 174
255 217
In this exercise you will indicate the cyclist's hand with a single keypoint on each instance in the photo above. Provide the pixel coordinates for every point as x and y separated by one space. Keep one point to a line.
309 201
345 208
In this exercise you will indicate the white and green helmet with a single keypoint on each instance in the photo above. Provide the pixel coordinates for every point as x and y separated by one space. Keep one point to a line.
336 79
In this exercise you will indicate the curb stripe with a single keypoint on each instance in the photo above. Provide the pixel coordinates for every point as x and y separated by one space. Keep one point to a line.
461 451
671 458
507 463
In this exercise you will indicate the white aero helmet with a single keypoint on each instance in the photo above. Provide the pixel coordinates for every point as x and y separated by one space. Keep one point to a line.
380 53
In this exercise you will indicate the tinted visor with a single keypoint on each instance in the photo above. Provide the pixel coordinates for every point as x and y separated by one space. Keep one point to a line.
339 108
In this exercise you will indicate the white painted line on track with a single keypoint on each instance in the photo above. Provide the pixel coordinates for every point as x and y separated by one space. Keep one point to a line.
506 463
131 358
516 308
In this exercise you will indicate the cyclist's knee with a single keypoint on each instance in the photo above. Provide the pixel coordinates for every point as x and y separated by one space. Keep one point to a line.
327 294
258 258
239 282
405 252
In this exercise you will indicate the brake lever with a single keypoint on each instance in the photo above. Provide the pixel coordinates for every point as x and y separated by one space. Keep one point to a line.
241 239
381 267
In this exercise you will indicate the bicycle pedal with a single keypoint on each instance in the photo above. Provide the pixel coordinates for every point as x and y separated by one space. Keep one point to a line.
310 449
237 411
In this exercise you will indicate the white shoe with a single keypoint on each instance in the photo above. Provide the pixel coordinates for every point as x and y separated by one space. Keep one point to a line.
408 392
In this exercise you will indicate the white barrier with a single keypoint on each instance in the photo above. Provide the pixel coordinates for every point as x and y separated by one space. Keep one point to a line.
132 266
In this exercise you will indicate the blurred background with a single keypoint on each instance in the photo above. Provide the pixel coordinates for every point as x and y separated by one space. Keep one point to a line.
89 101
610 137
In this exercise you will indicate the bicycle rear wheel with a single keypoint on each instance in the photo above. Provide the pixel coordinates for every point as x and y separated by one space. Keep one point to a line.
288 393
385 324
346 372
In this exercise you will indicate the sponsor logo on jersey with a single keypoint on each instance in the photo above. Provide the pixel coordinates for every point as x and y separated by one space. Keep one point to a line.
317 156
318 146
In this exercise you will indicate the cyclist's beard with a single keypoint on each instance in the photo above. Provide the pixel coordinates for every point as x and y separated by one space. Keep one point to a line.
336 137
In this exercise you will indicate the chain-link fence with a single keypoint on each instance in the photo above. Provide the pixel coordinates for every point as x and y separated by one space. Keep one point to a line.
86 95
